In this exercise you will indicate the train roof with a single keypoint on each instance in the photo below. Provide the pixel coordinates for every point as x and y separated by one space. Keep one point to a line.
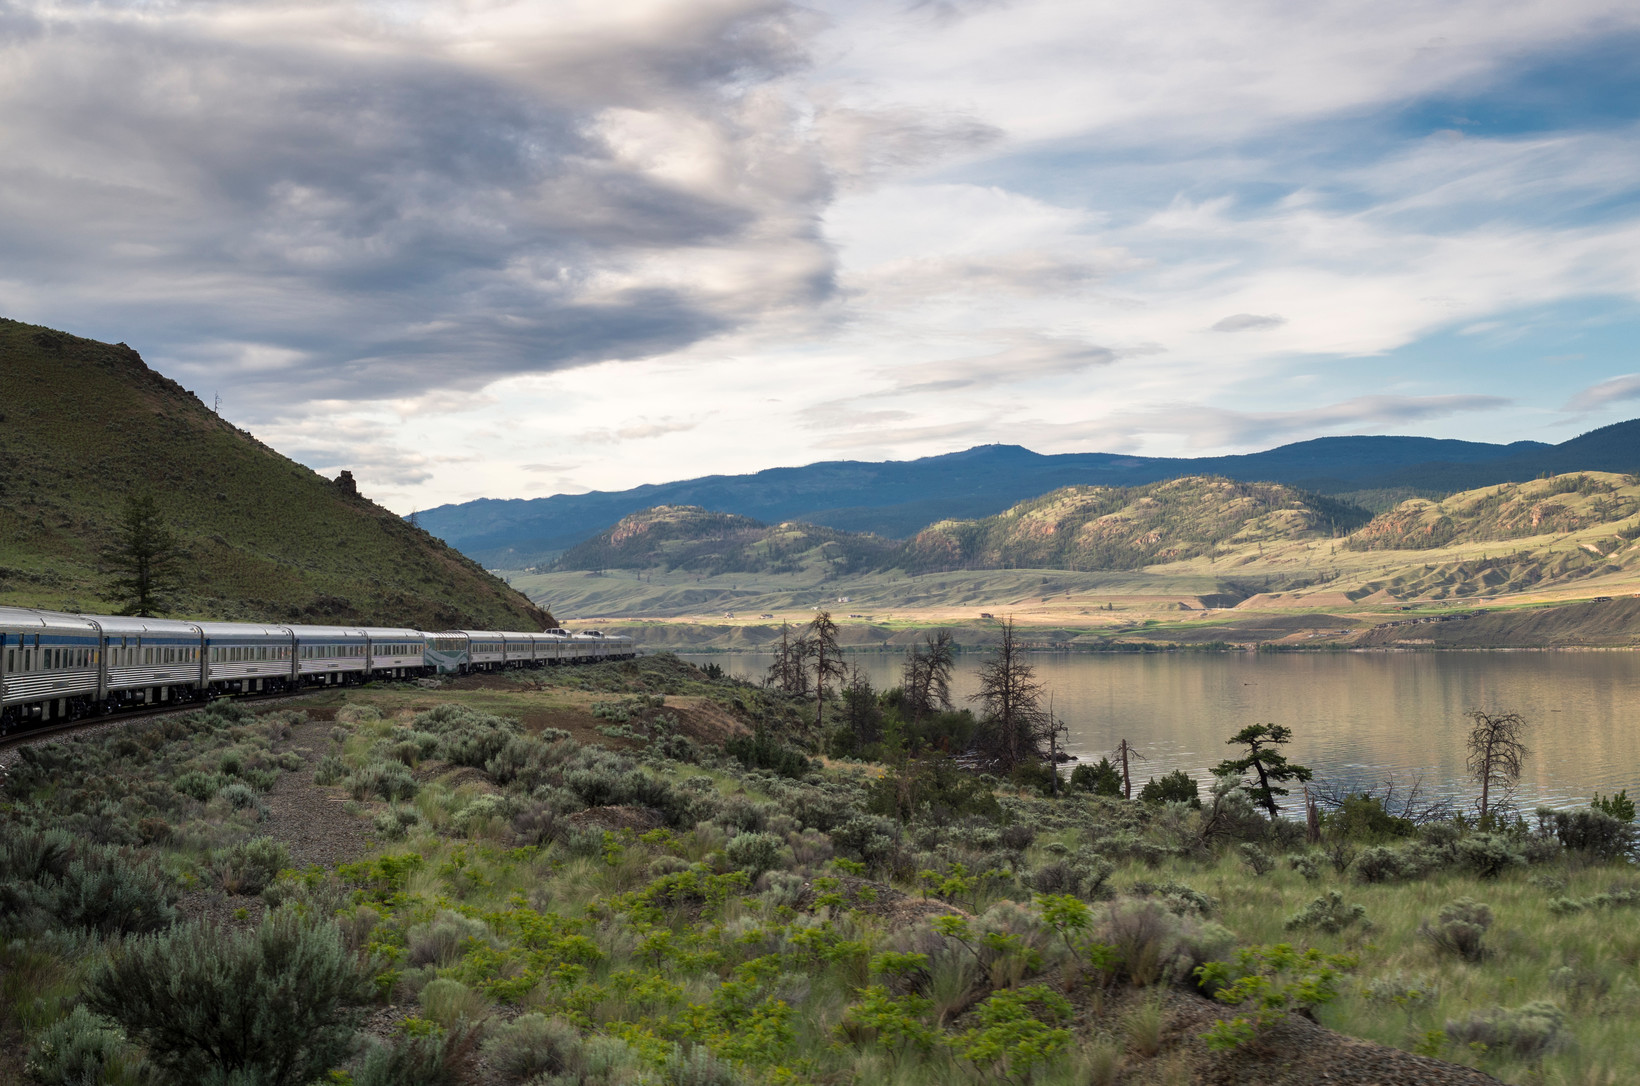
243 629
30 619
379 633
327 631
130 626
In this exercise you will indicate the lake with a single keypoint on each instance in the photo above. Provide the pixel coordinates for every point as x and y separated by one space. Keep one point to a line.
1356 717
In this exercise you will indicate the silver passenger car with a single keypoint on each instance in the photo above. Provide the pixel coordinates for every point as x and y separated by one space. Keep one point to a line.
243 658
50 666
328 655
396 653
150 661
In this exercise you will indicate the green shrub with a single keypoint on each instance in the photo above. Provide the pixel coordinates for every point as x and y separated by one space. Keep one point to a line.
755 853
429 1056
240 796
1102 780
111 893
1459 929
1018 1032
247 867
387 780
1329 913
1526 1032
396 821
1380 864
1257 860
1176 787
270 1006
1593 832
81 1049
1275 980
201 786
762 751
1361 817
331 770
533 1045
1488 854
1620 806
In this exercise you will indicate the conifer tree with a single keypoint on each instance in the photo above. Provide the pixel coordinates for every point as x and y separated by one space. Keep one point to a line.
1269 764
144 558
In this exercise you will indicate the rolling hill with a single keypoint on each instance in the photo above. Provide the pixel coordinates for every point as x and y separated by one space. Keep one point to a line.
1560 504
686 537
1076 528
83 424
1097 528
897 499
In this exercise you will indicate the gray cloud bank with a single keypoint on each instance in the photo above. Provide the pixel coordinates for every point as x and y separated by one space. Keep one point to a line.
344 201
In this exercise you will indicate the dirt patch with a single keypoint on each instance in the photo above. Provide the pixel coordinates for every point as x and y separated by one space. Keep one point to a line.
703 719
1296 1052
616 819
309 819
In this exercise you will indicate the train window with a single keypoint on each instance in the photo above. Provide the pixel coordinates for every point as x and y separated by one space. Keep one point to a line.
11 659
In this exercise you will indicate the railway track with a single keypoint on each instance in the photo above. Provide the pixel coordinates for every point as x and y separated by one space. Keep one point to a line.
11 744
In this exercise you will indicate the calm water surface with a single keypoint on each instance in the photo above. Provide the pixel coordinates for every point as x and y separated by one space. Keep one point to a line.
1356 717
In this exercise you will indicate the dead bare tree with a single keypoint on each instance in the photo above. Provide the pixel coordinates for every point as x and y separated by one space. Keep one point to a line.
925 679
789 672
1125 751
1016 722
828 658
1496 753
1400 799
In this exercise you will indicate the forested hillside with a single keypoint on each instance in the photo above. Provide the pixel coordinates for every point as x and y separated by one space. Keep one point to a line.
84 425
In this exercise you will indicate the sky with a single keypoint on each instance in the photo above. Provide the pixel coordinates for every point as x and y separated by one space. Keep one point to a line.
492 249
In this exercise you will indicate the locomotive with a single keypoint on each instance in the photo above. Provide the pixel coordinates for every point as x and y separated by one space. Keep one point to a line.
58 667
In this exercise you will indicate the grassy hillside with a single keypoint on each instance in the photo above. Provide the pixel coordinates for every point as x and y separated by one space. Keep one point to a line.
1564 503
689 538
1091 527
1275 579
83 424
1076 528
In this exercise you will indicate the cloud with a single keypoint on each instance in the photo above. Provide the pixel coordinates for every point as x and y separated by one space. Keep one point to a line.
1245 322
639 430
360 203
1217 428
967 430
1035 357
1615 390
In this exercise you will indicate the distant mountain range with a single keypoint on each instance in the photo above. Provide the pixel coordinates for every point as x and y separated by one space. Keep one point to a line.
897 499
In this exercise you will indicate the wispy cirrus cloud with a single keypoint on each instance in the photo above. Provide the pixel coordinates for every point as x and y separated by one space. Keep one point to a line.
1614 390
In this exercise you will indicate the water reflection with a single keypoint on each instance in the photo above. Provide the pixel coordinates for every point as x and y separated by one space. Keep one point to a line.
1356 717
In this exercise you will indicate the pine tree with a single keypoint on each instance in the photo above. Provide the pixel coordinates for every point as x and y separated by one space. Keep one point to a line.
1268 763
144 558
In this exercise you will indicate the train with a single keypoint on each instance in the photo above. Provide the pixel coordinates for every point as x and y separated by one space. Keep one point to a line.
56 666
